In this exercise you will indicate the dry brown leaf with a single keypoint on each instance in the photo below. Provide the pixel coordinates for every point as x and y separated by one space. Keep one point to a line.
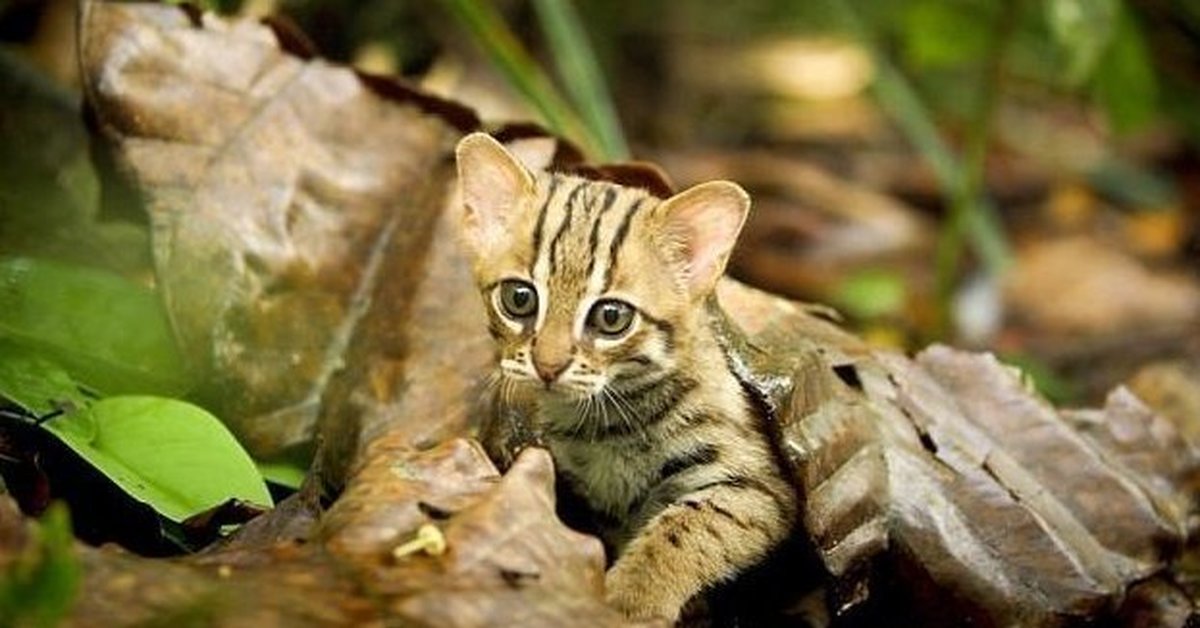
1078 285
809 228
1173 390
508 559
281 192
990 504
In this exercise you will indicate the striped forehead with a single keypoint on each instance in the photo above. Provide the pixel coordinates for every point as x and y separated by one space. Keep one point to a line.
579 232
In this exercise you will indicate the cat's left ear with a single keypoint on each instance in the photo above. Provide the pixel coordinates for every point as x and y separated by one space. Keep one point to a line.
703 223
493 183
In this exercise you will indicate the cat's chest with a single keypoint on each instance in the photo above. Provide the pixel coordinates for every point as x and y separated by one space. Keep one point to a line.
610 476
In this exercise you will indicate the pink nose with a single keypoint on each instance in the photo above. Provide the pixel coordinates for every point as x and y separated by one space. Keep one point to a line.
550 372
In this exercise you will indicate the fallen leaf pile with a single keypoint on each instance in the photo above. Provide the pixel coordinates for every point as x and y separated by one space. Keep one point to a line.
299 225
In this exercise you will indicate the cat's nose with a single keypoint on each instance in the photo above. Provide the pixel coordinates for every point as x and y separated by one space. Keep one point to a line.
550 371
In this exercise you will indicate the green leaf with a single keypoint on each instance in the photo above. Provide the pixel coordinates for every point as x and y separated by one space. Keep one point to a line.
282 473
504 50
944 35
1083 29
109 333
39 586
580 72
871 293
1125 83
172 455
1043 378
38 386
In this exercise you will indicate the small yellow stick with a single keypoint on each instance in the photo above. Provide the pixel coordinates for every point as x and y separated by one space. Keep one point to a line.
429 539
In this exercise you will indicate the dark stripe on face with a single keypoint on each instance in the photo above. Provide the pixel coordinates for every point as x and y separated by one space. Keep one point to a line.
663 326
566 224
702 455
610 196
618 240
541 222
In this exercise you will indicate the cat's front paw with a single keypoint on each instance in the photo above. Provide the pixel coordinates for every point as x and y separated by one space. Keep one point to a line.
638 598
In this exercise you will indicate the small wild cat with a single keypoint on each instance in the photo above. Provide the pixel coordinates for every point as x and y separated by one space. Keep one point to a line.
600 300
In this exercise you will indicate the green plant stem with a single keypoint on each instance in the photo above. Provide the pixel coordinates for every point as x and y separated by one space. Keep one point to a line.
505 51
580 72
969 211
960 176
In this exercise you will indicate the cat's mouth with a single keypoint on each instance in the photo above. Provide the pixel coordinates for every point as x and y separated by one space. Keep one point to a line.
561 389
568 390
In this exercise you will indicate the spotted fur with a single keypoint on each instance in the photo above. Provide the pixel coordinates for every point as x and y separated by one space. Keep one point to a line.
650 427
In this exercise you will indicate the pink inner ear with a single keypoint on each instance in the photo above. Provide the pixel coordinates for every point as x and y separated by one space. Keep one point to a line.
492 183
713 233
706 220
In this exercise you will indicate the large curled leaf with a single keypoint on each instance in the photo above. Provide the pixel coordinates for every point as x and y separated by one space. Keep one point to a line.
36 385
976 486
108 332
169 454
291 202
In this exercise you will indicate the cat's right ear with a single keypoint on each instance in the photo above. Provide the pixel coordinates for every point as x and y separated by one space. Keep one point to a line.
492 182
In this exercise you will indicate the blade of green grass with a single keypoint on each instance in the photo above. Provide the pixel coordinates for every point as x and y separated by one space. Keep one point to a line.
580 72
960 176
487 27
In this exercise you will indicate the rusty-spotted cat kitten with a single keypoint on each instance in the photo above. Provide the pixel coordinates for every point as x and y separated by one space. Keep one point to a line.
599 301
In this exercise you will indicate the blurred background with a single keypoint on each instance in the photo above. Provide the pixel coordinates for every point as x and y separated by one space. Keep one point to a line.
1016 175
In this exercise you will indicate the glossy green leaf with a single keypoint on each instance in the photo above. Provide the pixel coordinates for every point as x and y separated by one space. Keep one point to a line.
581 74
38 587
486 25
282 473
109 333
37 385
172 455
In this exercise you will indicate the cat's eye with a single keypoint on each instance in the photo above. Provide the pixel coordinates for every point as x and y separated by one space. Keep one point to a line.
610 317
518 299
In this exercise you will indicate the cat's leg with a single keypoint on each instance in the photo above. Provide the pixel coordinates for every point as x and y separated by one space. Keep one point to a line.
704 538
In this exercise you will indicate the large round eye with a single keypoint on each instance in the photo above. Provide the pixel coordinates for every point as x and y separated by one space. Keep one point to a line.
610 317
518 299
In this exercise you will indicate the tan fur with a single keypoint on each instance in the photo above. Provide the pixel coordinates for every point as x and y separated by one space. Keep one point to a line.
649 427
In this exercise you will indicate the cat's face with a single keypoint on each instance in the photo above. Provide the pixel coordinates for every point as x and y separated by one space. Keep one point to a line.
589 285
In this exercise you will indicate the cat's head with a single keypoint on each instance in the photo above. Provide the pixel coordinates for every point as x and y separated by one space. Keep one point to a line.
589 284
